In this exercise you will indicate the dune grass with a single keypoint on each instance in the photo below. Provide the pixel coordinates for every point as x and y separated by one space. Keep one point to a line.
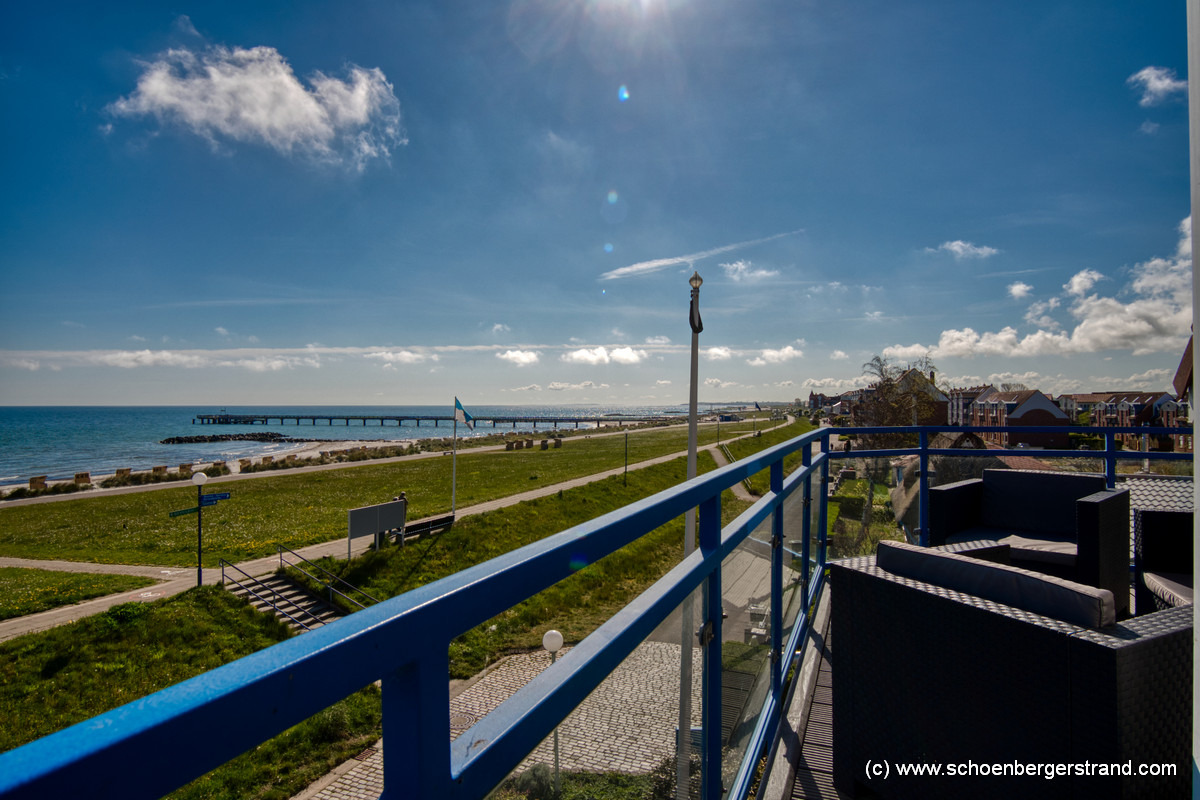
28 591
301 509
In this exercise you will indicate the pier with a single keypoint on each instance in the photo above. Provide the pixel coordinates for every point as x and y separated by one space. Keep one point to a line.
400 420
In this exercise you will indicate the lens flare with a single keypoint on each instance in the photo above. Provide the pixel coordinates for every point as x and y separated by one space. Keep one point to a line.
577 562
623 93
612 197
608 248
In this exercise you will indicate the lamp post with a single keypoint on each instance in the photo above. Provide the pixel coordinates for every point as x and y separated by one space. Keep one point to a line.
683 750
199 479
553 642
689 534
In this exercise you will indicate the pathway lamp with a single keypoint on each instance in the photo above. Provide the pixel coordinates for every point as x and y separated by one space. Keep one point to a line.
199 479
553 641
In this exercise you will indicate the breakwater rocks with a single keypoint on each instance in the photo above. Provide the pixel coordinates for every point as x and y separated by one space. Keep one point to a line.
237 437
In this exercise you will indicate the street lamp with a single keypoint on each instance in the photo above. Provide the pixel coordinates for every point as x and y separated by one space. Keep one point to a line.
553 642
199 479
683 751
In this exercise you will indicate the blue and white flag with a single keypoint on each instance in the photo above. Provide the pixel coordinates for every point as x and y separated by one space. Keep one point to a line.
461 415
757 407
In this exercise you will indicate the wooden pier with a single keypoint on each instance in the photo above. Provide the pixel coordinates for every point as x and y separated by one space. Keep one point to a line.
402 420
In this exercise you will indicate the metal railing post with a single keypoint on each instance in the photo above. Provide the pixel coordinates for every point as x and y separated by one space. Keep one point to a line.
923 533
416 728
806 523
1110 459
710 539
823 518
777 578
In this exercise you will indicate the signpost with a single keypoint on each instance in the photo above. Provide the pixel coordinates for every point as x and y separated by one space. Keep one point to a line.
202 500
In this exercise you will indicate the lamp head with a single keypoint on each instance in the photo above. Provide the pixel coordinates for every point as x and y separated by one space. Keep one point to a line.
552 641
695 280
199 478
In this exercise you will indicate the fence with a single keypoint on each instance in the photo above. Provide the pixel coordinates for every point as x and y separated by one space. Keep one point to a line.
153 745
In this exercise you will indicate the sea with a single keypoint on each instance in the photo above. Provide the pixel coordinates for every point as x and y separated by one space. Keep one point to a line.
60 441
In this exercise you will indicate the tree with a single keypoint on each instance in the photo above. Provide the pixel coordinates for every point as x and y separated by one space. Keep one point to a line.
880 368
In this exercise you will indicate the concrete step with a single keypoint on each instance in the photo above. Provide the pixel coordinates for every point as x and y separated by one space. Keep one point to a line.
277 592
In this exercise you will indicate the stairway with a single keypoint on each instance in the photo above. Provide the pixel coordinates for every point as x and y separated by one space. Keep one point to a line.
293 605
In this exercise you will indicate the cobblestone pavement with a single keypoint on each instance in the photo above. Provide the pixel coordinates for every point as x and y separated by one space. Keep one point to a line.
626 725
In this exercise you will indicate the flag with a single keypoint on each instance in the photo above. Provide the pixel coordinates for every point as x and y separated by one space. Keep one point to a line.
461 415
694 316
757 407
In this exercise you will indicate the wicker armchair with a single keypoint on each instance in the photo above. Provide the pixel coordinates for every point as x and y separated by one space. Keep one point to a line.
1061 523
928 675
1163 542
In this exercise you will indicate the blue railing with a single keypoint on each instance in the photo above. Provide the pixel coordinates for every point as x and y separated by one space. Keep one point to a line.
156 744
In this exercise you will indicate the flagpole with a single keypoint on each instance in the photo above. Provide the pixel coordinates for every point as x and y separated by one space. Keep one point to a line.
454 465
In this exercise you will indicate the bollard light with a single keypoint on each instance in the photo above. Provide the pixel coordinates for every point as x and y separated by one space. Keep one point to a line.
553 642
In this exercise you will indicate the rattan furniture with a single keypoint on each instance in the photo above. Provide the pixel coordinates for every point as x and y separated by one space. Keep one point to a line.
923 674
1061 523
1163 542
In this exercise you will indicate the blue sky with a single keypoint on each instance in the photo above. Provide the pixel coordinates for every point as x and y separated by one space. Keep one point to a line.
397 203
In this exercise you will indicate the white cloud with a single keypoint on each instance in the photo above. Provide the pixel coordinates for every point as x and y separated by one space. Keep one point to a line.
500 327
874 316
784 384
1156 84
221 331
1082 282
662 383
627 355
659 340
1149 128
780 356
742 271
654 265
718 354
559 386
593 356
522 358
1038 314
1019 290
252 95
838 355
905 353
717 383
397 356
960 250
533 387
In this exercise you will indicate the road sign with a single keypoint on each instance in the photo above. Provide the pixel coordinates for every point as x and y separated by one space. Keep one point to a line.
183 511
211 499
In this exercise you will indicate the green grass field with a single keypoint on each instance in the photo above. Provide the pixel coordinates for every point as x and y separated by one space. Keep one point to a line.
28 591
301 509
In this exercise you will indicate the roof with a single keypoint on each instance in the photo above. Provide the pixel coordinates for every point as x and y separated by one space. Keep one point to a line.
1183 376
1160 492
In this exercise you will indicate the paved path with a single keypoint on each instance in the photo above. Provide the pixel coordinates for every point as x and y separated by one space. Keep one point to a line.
626 725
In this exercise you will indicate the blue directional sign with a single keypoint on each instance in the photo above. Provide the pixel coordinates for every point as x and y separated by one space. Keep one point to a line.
211 499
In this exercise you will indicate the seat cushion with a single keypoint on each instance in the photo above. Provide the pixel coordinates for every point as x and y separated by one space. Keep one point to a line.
1173 588
1057 598
1057 551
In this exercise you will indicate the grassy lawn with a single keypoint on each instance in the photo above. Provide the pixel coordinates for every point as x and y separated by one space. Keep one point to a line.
28 591
302 509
